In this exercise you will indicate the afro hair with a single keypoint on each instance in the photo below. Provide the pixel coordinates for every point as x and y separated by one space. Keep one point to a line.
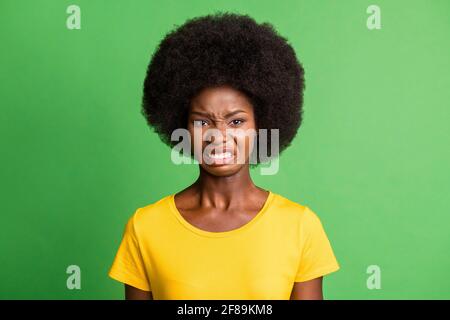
225 49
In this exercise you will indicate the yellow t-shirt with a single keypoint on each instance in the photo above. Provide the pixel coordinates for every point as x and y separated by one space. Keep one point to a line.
163 253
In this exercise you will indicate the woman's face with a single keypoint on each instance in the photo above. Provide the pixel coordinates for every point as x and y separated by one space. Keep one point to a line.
222 127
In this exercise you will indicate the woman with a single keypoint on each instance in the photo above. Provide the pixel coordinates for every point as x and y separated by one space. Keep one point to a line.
223 237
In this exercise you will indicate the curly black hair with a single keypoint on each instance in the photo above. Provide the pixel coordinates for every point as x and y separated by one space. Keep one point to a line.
225 49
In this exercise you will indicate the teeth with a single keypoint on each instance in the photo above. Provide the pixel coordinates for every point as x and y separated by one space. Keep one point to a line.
221 155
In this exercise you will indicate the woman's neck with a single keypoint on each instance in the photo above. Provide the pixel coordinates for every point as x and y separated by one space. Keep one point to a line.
224 192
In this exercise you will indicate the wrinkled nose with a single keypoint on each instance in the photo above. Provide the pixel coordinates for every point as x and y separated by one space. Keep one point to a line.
217 135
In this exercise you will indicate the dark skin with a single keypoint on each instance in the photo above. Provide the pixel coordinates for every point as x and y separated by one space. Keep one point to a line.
224 196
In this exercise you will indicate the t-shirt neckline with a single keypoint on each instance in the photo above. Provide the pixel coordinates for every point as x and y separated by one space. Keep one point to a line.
219 234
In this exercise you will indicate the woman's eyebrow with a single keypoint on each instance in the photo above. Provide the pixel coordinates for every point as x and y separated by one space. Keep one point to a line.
200 113
206 114
230 114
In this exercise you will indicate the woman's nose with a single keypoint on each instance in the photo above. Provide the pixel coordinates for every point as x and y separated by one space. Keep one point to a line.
219 132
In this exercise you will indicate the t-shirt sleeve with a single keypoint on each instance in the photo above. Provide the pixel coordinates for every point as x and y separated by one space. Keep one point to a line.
317 258
128 266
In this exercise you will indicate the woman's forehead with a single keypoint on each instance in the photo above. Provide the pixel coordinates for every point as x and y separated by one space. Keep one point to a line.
220 101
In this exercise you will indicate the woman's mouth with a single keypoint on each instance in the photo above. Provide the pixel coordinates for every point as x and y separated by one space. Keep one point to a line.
223 155
217 158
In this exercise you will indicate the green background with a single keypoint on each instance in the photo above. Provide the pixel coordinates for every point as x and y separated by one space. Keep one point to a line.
371 159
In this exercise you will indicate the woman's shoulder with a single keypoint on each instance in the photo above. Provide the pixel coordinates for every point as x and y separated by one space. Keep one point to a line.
297 208
152 211
157 204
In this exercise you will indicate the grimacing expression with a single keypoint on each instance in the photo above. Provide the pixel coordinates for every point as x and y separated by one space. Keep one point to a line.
223 119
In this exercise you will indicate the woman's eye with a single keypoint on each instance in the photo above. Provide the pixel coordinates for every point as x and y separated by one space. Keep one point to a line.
237 122
200 123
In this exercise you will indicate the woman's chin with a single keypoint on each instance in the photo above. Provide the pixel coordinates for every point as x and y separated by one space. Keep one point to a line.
222 170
